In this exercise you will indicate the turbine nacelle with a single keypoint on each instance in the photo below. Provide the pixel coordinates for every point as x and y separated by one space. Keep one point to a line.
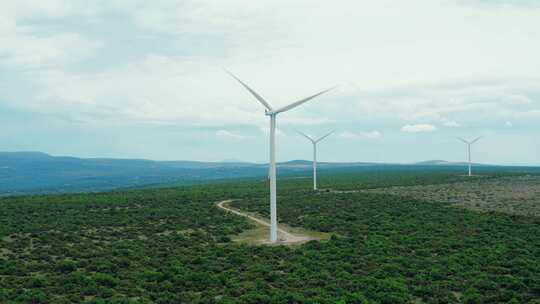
469 142
269 111
315 141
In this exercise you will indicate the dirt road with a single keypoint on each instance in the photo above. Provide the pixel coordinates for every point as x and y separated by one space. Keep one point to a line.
284 236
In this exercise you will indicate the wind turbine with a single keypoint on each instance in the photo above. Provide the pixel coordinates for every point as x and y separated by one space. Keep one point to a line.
315 142
469 143
269 111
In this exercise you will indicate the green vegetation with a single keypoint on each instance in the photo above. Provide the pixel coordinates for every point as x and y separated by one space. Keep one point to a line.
174 246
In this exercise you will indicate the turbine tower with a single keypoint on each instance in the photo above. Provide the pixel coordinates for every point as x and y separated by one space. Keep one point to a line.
315 142
270 112
469 143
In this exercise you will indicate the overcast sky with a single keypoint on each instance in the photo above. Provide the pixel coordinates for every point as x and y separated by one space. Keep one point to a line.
145 79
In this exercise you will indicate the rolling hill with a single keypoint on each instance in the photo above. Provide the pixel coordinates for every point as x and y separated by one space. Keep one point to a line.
37 172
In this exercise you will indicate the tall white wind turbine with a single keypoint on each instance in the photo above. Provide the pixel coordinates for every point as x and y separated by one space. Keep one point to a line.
315 142
269 111
469 144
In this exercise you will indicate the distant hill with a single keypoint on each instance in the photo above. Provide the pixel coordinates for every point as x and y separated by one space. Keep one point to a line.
307 164
36 172
182 164
438 162
435 162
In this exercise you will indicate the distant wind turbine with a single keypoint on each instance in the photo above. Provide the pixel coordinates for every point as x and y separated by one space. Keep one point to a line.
469 143
315 142
269 111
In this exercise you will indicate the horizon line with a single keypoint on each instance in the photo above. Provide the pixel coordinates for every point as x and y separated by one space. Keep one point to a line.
224 161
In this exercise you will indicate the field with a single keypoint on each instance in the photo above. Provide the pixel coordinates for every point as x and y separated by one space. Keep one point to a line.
398 239
513 195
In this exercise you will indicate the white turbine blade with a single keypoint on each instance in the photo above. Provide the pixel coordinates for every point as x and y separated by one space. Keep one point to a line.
296 104
472 142
306 136
325 136
255 94
463 140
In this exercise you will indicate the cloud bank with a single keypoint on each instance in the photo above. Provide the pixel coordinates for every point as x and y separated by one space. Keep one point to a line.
419 128
116 64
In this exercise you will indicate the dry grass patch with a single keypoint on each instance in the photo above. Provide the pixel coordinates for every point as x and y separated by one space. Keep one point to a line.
514 195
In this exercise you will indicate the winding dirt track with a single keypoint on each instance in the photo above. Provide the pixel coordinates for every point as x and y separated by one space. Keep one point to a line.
284 236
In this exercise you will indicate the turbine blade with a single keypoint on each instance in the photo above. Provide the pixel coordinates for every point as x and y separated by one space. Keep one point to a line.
472 142
306 136
296 104
255 94
463 140
325 136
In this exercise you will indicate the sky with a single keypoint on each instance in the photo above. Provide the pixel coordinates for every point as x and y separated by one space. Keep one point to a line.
145 79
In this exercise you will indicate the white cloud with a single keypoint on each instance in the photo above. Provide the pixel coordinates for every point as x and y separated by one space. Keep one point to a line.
451 124
368 135
348 135
229 135
263 43
25 45
160 62
516 99
266 131
473 102
498 4
371 134
418 128
529 114
29 51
